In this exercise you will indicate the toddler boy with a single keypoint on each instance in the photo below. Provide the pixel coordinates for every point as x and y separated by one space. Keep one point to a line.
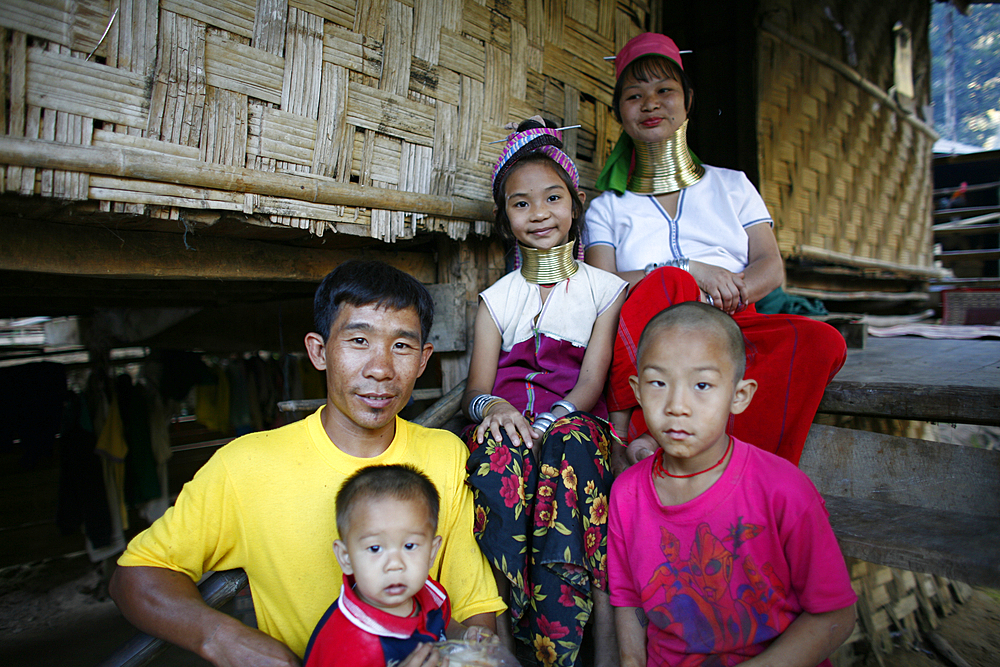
387 523
719 552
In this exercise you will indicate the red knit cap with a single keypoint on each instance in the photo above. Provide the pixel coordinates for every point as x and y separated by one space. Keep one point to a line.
643 45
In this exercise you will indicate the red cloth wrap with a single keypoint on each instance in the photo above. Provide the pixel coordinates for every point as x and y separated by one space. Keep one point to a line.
792 358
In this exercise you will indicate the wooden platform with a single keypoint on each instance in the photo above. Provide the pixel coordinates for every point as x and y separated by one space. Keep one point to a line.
920 378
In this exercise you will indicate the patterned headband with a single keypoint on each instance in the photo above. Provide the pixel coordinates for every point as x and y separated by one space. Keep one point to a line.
537 140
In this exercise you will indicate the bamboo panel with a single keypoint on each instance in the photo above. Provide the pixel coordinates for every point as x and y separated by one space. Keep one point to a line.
106 138
235 16
243 69
178 96
4 78
428 19
225 128
351 50
497 81
89 21
61 82
445 154
303 64
131 43
397 47
109 188
49 19
384 163
470 119
337 12
270 26
17 58
482 23
462 55
279 206
848 175
287 136
394 115
475 181
432 81
329 158
369 18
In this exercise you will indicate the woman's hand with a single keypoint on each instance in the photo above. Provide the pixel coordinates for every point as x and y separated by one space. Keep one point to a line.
503 415
728 290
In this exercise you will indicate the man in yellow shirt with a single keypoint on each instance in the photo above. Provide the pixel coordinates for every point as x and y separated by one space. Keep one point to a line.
265 502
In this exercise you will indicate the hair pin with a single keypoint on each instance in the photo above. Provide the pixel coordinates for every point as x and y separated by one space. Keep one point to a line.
558 129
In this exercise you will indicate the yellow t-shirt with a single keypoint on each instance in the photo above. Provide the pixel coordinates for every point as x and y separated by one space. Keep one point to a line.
265 503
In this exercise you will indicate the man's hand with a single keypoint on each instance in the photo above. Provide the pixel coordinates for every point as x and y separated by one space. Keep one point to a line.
238 645
728 291
425 655
168 605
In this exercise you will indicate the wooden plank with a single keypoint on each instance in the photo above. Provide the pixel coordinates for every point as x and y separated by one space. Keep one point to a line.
951 544
448 332
953 229
922 402
874 466
957 255
75 250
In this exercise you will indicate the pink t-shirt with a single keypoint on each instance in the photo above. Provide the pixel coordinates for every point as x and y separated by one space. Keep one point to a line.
725 573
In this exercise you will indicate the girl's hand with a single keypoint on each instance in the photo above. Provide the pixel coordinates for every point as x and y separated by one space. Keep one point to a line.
728 290
505 416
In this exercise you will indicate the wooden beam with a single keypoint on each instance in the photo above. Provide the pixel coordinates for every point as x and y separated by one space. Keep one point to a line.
954 255
922 402
834 257
904 471
133 163
912 504
98 251
953 228
950 544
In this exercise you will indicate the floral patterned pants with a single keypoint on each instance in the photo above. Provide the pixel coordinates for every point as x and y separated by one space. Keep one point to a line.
544 524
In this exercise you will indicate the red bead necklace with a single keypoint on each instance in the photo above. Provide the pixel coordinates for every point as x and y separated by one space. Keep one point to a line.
660 470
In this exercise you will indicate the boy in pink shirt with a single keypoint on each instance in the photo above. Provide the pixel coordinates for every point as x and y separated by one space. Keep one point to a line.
719 553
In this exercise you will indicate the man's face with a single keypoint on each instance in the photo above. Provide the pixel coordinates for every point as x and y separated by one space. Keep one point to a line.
372 358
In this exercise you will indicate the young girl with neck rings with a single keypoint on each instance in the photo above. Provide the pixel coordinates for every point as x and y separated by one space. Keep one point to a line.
539 466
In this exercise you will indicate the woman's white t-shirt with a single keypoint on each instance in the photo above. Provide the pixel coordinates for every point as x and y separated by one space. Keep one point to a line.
710 226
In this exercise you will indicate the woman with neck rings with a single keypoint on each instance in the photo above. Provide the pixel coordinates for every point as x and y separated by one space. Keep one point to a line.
678 230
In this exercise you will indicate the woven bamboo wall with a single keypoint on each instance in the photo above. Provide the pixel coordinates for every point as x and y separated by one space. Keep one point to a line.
397 94
840 170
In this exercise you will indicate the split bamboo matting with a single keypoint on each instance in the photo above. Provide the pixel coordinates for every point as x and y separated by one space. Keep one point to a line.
405 96
393 95
843 169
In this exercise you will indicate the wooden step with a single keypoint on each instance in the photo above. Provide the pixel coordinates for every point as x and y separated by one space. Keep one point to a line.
913 504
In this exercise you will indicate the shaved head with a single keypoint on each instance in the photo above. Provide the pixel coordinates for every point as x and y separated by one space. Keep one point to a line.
699 317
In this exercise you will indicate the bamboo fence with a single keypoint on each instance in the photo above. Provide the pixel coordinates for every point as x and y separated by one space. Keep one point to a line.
363 99
845 165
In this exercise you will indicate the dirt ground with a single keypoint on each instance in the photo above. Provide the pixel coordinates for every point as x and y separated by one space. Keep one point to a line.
56 614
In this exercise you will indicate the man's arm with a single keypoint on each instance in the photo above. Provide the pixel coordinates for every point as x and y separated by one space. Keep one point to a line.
630 625
809 640
167 604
